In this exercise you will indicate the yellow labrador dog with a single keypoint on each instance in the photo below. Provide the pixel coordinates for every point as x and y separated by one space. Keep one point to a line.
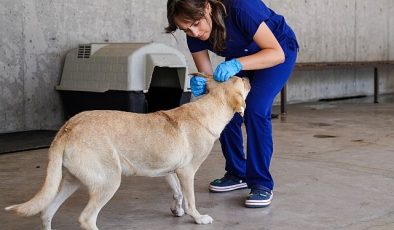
96 148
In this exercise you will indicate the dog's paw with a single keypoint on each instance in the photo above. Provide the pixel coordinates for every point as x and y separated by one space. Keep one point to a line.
178 212
204 219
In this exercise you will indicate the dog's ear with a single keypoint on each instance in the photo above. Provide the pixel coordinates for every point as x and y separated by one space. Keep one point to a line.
237 102
211 84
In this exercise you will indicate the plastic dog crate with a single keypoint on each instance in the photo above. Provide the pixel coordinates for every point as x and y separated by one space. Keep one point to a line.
133 77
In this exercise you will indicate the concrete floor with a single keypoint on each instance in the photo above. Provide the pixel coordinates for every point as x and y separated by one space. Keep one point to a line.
333 166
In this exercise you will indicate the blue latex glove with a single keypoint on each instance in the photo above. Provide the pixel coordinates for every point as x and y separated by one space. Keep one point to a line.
198 85
227 69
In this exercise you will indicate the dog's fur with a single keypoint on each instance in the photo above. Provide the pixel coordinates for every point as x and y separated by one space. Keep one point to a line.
96 148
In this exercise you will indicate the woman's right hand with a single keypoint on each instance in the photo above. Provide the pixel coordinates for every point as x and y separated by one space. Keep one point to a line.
198 85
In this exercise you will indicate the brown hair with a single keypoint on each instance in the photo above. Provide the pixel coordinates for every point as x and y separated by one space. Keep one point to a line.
195 10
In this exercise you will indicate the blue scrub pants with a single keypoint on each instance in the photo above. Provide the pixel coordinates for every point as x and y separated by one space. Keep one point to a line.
265 85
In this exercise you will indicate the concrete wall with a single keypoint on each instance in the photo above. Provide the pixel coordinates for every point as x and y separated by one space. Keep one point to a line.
340 30
36 34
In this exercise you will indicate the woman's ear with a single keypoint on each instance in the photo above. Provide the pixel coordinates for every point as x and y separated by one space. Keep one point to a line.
208 8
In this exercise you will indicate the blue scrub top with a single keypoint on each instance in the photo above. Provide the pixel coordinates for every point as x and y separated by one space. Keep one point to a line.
243 19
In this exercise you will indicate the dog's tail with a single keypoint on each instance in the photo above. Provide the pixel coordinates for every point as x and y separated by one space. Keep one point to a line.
52 182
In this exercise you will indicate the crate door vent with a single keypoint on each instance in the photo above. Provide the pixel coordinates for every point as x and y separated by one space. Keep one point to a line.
84 51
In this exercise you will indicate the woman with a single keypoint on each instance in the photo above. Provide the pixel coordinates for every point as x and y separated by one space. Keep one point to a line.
256 43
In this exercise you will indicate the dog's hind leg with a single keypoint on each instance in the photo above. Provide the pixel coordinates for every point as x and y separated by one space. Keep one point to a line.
186 179
99 195
68 186
176 207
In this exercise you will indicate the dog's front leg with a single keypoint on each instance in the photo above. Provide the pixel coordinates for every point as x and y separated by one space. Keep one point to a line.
176 207
186 179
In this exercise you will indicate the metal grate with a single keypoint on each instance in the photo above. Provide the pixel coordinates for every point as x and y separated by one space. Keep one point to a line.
84 51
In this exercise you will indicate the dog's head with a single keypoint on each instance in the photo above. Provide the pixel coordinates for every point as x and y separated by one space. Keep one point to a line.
234 92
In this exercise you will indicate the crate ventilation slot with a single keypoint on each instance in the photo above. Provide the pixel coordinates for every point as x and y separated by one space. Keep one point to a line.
84 51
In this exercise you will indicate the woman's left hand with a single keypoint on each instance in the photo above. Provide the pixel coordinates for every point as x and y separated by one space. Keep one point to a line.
227 69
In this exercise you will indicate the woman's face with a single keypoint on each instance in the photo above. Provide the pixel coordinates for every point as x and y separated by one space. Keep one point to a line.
200 29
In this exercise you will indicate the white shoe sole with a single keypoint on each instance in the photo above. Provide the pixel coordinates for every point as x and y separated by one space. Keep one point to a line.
258 203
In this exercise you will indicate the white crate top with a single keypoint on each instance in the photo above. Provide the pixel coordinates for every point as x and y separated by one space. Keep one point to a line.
120 66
